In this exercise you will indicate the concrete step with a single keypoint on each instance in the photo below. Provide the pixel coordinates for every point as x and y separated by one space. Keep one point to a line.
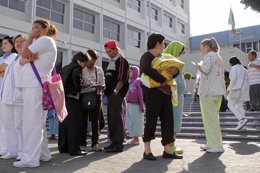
225 136
246 129
222 124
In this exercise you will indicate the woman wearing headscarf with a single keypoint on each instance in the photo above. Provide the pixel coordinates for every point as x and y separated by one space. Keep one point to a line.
176 49
135 107
8 56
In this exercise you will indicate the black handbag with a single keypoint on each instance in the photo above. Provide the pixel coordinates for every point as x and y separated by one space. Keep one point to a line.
89 100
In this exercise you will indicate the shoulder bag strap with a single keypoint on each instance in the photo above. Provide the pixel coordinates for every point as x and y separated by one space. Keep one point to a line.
243 80
96 74
36 72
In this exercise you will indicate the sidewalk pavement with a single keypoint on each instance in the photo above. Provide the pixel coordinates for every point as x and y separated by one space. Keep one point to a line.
239 157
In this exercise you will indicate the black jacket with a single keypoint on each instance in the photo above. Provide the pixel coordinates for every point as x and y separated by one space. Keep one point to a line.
71 78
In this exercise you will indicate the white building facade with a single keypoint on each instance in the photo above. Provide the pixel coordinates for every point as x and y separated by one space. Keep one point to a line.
84 24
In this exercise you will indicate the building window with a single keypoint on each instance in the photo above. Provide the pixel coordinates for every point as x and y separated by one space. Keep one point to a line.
181 28
18 5
83 20
182 4
167 20
134 4
117 1
51 9
134 37
154 13
111 30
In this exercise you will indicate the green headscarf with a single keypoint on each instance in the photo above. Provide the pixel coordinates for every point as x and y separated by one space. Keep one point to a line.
175 48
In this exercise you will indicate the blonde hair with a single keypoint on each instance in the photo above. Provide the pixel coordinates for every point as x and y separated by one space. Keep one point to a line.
52 30
211 43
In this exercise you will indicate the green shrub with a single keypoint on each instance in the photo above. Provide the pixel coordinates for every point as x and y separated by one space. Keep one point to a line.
187 75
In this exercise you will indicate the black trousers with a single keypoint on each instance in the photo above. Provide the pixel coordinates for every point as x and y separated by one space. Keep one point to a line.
92 116
157 105
114 118
70 128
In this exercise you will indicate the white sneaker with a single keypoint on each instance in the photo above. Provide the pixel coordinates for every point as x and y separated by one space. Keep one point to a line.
45 159
241 123
204 147
8 156
21 164
215 150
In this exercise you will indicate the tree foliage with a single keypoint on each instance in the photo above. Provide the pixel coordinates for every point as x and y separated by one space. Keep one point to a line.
253 4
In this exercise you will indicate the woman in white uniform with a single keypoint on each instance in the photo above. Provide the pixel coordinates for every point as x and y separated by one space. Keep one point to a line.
5 60
238 81
12 105
40 41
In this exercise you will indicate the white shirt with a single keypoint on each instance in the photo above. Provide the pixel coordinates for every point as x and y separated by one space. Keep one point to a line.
254 73
9 92
212 83
46 49
8 60
89 77
238 76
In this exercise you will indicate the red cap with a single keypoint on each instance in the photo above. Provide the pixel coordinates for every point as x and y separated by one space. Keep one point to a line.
111 44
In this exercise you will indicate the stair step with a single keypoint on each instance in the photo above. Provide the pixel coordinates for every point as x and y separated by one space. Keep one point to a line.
222 124
226 137
248 130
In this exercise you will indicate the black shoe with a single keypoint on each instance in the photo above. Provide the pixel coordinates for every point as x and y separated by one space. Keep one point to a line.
115 149
171 156
149 156
80 153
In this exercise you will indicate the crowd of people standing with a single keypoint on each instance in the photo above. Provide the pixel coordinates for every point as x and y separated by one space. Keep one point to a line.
129 100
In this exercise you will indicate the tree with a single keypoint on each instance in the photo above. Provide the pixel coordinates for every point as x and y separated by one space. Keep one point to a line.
187 76
253 4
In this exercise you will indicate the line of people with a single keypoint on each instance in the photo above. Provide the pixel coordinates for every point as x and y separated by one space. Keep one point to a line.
150 92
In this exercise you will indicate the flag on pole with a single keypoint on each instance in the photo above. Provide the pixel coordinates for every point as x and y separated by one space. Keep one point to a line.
231 20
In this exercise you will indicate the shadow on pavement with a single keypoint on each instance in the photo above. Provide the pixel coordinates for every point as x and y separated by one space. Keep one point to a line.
159 166
208 162
244 148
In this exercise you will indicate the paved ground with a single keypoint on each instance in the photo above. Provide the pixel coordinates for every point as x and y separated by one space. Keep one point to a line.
239 157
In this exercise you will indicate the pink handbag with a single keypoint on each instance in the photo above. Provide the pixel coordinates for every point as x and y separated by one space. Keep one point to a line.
53 94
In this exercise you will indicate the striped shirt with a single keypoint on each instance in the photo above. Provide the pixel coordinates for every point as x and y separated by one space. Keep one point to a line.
253 73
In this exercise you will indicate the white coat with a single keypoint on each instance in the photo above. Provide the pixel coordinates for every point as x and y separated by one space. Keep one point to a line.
237 75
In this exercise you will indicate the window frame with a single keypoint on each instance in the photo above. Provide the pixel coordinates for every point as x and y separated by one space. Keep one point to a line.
111 31
131 37
8 5
84 20
52 12
131 4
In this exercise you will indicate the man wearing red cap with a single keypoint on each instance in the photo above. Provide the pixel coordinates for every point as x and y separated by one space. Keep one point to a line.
116 79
